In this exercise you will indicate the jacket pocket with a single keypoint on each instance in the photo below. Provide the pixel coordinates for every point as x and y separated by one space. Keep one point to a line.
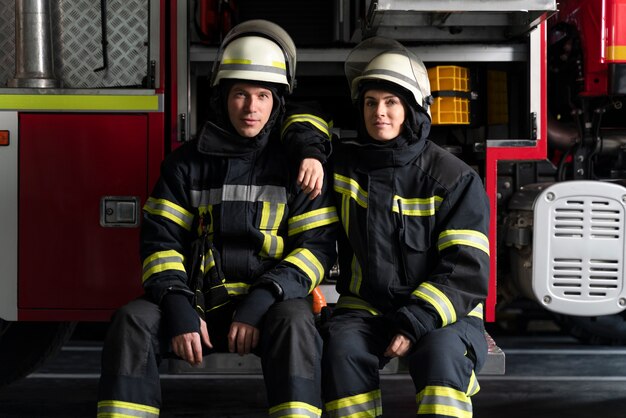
414 247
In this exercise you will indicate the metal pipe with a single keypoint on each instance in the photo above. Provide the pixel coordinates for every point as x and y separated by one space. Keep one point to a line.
34 60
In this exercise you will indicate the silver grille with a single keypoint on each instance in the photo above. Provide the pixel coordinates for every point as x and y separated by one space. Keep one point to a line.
578 248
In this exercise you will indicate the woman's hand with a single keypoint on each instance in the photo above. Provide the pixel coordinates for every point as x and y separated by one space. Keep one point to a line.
311 177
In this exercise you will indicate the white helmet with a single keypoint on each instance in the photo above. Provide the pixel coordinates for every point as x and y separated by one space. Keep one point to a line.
256 50
386 59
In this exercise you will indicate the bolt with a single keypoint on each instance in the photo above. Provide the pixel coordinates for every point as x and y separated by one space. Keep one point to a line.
547 300
550 196
580 158
621 302
109 211
580 171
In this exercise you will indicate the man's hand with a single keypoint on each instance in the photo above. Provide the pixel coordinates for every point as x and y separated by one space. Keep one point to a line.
311 177
189 346
399 346
242 338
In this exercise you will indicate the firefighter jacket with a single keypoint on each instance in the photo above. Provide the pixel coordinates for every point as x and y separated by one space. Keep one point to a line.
266 233
416 222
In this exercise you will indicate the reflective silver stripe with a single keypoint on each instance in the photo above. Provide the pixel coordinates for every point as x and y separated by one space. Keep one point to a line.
351 302
319 123
363 405
238 193
437 299
463 237
347 186
416 206
226 66
380 71
271 217
162 261
208 262
309 264
110 408
473 387
169 210
356 277
295 409
199 198
443 401
313 219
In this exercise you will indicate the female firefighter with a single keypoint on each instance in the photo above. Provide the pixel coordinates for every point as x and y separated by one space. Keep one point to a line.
414 258
231 244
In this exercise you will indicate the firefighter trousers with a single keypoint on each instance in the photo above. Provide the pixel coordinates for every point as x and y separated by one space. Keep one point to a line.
290 349
443 365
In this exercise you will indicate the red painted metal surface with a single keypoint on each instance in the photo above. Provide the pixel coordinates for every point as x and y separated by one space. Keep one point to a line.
604 39
495 154
615 31
67 261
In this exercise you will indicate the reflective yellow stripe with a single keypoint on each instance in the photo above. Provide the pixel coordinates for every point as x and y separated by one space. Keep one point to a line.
162 261
208 263
203 211
295 409
356 276
347 186
345 212
79 102
443 401
416 206
111 408
477 311
236 61
467 237
271 216
309 264
351 302
313 219
169 210
316 121
438 300
235 289
473 387
364 405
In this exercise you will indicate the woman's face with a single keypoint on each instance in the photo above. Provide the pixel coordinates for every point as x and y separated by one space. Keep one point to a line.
383 114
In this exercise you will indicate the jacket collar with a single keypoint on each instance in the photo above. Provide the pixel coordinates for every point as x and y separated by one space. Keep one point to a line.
220 142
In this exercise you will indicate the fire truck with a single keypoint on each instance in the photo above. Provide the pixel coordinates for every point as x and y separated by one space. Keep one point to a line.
94 94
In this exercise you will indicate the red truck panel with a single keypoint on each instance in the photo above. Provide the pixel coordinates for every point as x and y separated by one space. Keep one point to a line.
67 163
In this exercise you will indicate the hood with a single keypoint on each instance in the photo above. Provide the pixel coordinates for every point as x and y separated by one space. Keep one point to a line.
218 136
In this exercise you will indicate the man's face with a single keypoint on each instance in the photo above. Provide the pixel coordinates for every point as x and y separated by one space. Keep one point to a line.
249 108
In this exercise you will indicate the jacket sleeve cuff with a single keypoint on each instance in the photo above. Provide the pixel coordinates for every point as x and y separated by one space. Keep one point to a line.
178 316
414 322
252 309
312 151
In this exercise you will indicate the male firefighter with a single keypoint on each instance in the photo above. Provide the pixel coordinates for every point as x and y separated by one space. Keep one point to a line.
229 211
414 259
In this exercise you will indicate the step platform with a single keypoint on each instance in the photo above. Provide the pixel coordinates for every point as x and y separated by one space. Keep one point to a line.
229 363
